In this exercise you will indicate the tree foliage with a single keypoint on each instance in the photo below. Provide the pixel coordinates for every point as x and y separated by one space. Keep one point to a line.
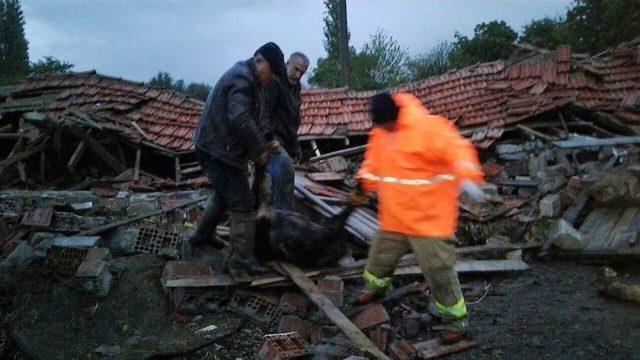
14 60
49 64
491 41
381 62
595 25
435 62
164 80
546 32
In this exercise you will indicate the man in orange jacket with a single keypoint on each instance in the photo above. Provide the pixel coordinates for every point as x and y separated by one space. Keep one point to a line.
417 163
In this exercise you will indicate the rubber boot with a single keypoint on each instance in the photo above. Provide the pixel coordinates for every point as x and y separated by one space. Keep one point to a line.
205 230
243 264
207 224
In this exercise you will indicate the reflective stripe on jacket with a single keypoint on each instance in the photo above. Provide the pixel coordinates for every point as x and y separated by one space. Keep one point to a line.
416 169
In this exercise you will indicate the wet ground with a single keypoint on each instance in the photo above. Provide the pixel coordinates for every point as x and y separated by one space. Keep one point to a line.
552 311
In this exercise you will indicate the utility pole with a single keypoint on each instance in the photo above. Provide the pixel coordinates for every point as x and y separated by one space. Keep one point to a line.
344 43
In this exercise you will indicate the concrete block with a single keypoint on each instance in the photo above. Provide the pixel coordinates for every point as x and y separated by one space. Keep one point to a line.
508 148
94 277
550 206
565 236
333 288
373 316
78 242
22 255
282 346
97 253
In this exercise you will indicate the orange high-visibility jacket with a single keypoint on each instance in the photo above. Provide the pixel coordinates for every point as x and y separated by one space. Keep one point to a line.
416 169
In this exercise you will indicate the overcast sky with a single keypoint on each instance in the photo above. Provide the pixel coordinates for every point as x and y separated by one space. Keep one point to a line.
197 40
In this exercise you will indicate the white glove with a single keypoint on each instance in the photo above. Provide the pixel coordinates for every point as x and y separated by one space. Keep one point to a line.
473 191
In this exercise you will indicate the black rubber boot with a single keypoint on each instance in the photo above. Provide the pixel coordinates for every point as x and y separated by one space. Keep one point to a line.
243 264
205 228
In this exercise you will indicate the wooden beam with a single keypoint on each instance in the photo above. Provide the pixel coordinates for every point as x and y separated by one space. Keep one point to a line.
136 169
332 312
314 146
177 168
582 143
14 158
98 149
75 157
43 163
139 129
345 152
535 133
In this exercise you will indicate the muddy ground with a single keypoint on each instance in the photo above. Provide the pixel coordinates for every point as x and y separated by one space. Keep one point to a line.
552 311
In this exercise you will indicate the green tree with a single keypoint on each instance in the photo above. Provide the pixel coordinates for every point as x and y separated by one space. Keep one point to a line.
435 62
598 24
15 60
491 41
327 70
198 91
49 64
547 32
381 63
162 80
384 62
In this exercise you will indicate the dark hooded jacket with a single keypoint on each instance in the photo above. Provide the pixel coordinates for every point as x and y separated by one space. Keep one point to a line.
282 109
229 128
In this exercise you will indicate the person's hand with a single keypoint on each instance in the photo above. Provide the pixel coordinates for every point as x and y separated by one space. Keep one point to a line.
262 159
473 191
273 147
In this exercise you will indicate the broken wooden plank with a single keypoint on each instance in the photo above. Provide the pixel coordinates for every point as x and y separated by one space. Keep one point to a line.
139 129
19 156
75 157
345 152
97 148
472 266
136 169
326 176
574 210
588 142
434 348
513 182
332 312
535 133
177 168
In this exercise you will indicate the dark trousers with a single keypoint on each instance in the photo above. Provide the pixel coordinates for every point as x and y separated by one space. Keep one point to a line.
280 168
230 184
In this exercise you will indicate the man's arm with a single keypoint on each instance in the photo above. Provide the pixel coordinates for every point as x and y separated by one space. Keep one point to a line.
240 112
369 170
461 155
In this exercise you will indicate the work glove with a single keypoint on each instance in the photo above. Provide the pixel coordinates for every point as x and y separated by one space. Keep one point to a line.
473 191
358 196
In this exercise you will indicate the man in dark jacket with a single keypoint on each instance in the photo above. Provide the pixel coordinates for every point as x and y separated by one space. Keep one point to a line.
228 135
282 109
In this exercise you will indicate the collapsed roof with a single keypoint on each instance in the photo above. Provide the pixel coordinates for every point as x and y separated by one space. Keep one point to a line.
489 96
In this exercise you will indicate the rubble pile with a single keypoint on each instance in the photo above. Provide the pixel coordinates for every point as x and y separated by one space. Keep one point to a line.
112 179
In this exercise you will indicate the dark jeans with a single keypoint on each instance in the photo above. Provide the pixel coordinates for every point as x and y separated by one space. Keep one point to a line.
280 168
230 184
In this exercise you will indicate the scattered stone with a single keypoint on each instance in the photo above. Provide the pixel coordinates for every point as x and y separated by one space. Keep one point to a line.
550 206
609 272
622 292
565 236
109 350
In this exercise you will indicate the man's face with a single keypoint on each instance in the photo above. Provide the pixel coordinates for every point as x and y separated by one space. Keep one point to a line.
296 67
263 70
